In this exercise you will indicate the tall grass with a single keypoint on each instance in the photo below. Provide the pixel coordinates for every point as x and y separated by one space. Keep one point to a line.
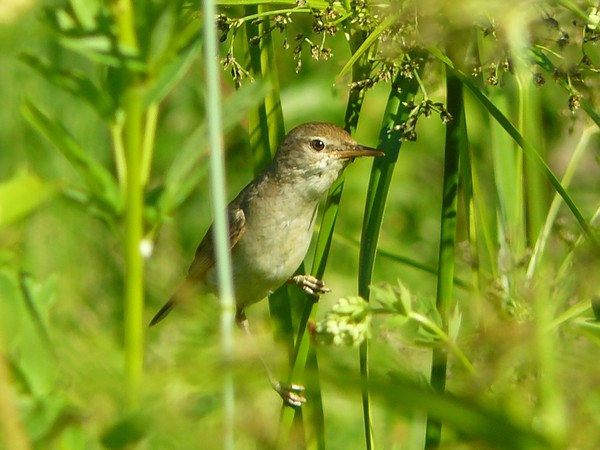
477 254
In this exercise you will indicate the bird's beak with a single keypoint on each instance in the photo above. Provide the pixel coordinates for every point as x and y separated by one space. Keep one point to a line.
357 151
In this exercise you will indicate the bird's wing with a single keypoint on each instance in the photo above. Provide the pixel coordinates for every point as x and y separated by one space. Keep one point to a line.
205 254
204 260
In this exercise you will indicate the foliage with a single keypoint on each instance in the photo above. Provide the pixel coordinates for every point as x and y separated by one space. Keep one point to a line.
476 312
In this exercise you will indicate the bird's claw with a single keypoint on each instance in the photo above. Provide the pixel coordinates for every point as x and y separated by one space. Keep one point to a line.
310 284
292 394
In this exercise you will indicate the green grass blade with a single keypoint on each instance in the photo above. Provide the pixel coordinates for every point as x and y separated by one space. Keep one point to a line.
221 228
266 128
529 150
365 46
77 83
22 195
544 235
545 63
404 260
456 143
402 90
100 183
470 418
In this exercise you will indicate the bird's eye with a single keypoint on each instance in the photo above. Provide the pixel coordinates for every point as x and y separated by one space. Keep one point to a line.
317 144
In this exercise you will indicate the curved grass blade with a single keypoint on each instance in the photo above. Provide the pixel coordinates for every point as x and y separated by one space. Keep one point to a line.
75 82
456 144
468 417
22 195
364 47
101 184
544 62
528 149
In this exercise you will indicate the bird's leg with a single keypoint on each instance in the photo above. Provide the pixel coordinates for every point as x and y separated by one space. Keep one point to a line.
309 284
290 393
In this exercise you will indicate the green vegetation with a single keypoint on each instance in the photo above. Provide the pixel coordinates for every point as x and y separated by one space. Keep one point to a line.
464 264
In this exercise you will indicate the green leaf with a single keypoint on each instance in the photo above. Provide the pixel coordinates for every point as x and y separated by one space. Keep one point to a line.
162 32
86 12
590 328
173 73
91 38
368 42
25 307
528 149
21 195
99 181
596 306
125 432
101 49
75 82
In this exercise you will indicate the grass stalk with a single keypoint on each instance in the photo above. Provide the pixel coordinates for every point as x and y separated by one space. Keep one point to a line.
456 142
134 229
116 133
148 142
221 226
551 408
379 182
134 206
530 152
542 240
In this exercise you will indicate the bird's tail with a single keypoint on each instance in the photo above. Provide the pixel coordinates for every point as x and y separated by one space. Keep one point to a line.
187 290
163 312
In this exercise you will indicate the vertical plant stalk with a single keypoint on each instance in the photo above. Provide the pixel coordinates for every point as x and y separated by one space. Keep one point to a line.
134 263
148 143
134 205
542 240
402 90
456 143
552 412
265 122
219 211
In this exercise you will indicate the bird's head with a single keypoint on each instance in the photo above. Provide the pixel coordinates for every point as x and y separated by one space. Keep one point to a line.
318 153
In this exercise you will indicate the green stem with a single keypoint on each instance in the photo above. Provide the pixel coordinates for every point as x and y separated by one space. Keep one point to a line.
148 144
379 183
125 19
542 240
134 264
116 132
219 210
266 14
443 336
455 143
134 202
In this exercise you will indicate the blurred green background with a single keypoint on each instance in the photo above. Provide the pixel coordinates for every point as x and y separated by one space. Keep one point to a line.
62 267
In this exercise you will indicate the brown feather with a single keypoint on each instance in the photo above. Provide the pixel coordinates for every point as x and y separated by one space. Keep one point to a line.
204 260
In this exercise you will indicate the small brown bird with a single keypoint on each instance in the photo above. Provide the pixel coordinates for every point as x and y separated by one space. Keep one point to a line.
271 224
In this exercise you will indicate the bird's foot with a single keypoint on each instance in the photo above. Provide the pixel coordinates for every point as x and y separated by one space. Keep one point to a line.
309 284
292 394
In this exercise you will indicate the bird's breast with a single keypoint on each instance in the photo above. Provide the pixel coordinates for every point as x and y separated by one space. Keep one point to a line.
273 246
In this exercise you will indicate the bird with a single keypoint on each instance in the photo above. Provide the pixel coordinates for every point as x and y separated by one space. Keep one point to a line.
271 225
